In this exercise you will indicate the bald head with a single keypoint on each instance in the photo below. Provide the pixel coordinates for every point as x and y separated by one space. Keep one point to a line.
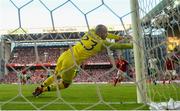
101 31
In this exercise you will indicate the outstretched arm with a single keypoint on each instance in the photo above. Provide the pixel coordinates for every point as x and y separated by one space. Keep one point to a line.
113 36
118 45
116 37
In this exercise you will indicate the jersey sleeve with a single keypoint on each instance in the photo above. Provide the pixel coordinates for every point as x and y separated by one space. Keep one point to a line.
113 36
118 45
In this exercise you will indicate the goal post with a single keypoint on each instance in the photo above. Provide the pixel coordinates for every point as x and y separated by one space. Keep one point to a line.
138 52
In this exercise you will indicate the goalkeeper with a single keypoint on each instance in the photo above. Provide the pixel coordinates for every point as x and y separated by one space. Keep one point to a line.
90 44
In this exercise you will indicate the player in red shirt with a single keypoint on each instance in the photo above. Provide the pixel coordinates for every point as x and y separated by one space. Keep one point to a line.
172 65
122 66
23 76
170 73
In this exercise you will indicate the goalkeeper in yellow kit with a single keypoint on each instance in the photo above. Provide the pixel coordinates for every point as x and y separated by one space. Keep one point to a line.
90 44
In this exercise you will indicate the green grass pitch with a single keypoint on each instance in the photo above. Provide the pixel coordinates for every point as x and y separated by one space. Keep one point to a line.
82 96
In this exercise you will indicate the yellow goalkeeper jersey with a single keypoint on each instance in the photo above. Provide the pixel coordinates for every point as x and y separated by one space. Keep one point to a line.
90 44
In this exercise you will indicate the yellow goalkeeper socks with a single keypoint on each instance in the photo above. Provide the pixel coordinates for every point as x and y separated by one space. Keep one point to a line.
48 81
53 87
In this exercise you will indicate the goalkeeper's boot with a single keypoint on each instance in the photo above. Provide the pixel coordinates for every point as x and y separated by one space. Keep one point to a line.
38 91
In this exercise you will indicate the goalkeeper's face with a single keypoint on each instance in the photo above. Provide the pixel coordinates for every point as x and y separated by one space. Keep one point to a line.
101 31
103 34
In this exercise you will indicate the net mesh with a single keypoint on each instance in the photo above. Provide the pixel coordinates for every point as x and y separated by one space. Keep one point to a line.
35 53
160 25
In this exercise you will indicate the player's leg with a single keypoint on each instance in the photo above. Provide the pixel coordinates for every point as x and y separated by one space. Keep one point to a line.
155 77
151 74
43 87
48 81
65 68
51 78
172 73
164 78
66 80
167 74
24 81
67 71
60 84
154 81
117 77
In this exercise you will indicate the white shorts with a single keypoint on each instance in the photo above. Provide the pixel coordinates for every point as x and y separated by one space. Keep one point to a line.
171 72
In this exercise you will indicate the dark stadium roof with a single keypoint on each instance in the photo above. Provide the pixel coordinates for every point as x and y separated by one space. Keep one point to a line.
51 37
43 36
170 8
163 5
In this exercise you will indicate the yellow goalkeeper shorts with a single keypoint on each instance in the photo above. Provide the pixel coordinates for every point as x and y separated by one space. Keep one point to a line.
65 67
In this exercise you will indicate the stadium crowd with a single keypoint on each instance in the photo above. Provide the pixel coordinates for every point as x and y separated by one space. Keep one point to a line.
37 76
27 55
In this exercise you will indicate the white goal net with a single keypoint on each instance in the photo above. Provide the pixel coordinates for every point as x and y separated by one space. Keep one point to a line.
35 33
161 32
